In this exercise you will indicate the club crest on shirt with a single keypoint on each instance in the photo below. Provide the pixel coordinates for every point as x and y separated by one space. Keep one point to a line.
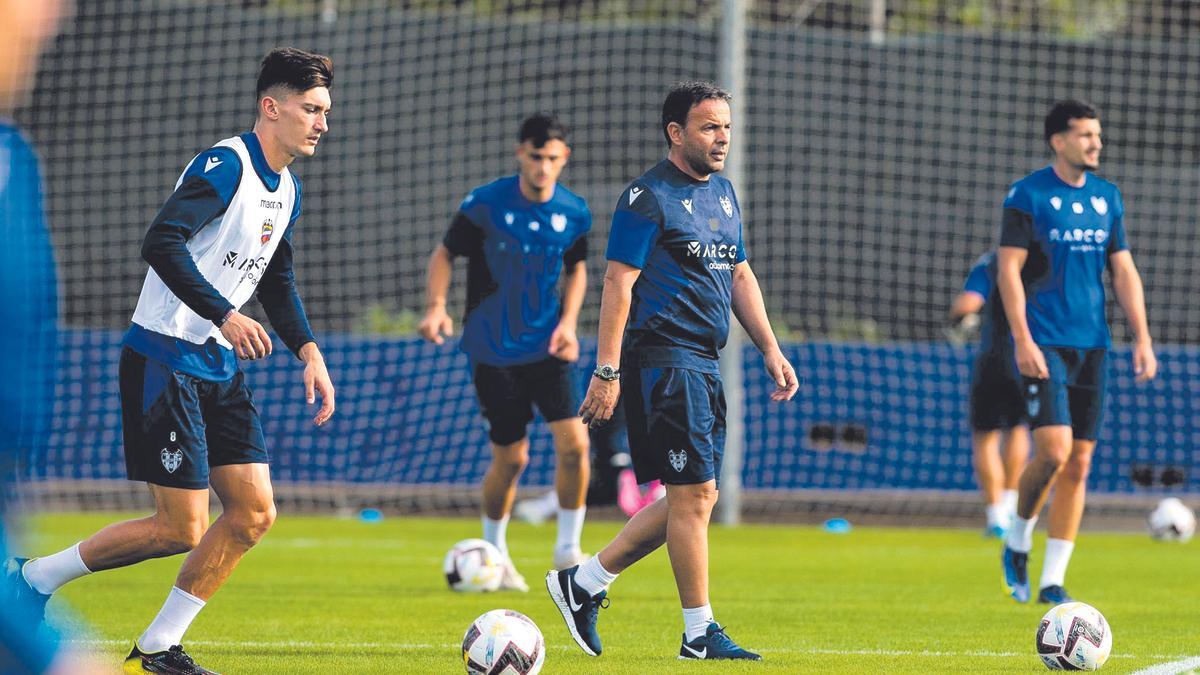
727 206
678 459
1100 205
268 227
559 222
1077 208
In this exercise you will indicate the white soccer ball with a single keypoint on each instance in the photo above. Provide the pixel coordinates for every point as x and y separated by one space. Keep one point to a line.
1074 636
473 566
1171 520
503 642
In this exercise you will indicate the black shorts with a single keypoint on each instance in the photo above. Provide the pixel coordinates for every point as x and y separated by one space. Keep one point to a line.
676 420
1074 393
177 426
997 401
507 395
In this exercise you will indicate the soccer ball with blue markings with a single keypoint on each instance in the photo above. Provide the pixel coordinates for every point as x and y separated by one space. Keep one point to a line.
1074 636
473 566
1172 520
503 642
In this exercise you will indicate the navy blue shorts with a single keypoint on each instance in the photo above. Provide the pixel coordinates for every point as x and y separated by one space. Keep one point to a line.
507 395
177 426
997 401
676 420
1074 393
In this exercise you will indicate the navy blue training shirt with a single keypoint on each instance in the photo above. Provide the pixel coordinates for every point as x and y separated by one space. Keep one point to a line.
516 251
1070 233
686 237
994 333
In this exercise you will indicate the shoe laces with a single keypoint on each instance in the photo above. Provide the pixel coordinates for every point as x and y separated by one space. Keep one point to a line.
181 657
595 607
721 640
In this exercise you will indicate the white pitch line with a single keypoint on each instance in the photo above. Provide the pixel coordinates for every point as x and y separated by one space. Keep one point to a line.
331 646
1172 668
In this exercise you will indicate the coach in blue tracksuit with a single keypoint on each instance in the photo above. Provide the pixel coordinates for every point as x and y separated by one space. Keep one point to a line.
1063 226
676 267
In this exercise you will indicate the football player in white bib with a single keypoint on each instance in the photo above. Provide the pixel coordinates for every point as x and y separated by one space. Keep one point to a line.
188 416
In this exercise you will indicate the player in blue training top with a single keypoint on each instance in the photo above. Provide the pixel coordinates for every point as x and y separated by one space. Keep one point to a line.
520 235
676 266
997 406
188 416
1063 225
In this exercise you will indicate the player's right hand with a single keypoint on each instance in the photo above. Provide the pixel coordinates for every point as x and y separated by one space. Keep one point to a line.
248 337
600 402
436 326
1031 361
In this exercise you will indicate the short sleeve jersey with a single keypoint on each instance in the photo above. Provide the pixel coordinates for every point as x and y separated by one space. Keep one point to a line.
516 251
1070 233
993 332
686 237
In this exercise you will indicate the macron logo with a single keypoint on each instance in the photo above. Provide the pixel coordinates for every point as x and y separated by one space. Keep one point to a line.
687 204
634 193
211 164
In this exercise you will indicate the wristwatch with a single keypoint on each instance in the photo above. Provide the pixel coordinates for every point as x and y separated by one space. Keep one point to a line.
607 373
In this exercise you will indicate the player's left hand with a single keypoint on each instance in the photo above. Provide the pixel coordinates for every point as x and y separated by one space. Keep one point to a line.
600 402
564 344
782 373
1145 364
316 381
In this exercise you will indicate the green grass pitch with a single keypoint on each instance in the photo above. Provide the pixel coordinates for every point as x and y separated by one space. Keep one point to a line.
326 595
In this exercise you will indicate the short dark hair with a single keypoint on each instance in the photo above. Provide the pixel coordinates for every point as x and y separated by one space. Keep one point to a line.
1060 116
541 128
686 95
295 70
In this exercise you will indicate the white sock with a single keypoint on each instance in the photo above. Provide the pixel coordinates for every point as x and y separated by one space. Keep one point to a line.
495 531
570 528
996 515
1008 499
48 574
1058 555
172 622
1020 535
695 621
592 577
548 503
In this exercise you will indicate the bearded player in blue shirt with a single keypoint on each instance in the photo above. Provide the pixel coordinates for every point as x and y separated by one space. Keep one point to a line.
676 266
520 234
1062 226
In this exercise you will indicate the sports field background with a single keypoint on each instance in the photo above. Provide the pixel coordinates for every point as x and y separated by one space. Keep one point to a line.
325 595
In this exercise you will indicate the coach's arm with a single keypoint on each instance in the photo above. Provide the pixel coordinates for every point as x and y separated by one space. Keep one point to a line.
751 312
601 398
